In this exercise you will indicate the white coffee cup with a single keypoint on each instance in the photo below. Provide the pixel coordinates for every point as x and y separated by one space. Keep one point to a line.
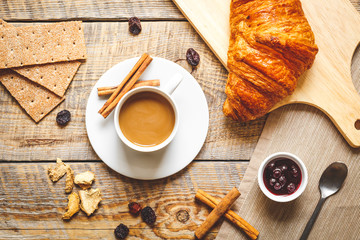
164 91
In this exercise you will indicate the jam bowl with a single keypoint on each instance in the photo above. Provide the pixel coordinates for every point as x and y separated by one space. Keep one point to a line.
282 177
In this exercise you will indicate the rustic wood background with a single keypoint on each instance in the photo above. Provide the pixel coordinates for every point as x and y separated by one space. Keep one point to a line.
31 206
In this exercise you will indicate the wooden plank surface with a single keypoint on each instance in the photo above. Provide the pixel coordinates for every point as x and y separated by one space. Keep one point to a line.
31 206
107 44
93 10
89 10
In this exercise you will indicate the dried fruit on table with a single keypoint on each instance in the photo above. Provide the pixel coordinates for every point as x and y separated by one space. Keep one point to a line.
134 25
134 208
69 182
58 172
85 179
121 231
90 200
148 215
63 117
73 206
192 57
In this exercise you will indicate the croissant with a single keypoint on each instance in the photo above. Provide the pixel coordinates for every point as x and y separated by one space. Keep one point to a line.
271 45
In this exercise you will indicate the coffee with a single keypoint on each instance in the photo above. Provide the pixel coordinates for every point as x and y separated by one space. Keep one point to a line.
147 119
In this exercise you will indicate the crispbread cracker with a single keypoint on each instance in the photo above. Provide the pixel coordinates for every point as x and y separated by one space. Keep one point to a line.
3 24
40 44
55 77
36 100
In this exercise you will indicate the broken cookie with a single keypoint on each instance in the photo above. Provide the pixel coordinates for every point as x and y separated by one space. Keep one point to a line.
73 206
85 179
90 200
69 182
58 172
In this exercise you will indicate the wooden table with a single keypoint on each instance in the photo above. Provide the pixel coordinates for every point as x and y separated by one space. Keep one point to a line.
31 206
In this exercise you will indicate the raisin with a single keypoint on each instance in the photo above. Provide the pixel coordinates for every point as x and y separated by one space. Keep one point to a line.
63 117
148 215
121 231
134 208
134 25
192 57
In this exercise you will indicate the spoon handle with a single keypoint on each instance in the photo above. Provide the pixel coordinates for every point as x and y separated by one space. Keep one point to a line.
312 220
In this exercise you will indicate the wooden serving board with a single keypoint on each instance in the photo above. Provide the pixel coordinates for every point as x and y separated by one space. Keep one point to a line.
327 85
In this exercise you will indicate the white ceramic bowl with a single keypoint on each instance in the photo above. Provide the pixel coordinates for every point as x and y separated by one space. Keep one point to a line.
283 198
121 103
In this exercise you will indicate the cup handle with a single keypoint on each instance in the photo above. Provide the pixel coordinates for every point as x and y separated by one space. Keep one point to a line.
173 83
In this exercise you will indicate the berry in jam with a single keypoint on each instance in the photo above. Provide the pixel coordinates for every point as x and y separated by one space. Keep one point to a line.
282 176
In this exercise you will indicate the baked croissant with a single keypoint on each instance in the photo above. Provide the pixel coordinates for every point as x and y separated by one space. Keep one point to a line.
271 45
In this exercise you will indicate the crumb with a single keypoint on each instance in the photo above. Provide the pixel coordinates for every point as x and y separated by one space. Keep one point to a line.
69 182
58 172
85 179
73 206
90 200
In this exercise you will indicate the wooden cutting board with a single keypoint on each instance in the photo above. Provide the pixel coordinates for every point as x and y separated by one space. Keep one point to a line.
327 85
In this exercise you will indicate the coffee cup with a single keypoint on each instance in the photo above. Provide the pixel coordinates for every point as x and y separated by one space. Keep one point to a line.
146 119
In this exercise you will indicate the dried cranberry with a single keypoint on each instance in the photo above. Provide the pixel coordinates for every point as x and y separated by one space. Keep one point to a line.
121 231
148 215
134 25
192 57
63 117
134 208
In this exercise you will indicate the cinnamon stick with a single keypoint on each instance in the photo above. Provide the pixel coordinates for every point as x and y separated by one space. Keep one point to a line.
103 91
119 87
217 212
230 215
126 85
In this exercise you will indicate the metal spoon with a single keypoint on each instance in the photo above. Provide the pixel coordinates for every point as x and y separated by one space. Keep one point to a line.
330 182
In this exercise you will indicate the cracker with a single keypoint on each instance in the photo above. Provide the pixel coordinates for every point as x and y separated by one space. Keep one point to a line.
55 77
41 44
4 24
33 98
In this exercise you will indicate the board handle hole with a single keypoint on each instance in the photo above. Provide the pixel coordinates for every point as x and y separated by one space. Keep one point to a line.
357 124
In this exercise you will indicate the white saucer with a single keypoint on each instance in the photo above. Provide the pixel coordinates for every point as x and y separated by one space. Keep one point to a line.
191 134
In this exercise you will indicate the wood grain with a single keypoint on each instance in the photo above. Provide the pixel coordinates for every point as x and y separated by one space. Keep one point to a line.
31 205
93 10
108 44
88 10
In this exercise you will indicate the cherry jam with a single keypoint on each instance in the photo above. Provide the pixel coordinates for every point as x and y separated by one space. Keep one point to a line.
282 176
